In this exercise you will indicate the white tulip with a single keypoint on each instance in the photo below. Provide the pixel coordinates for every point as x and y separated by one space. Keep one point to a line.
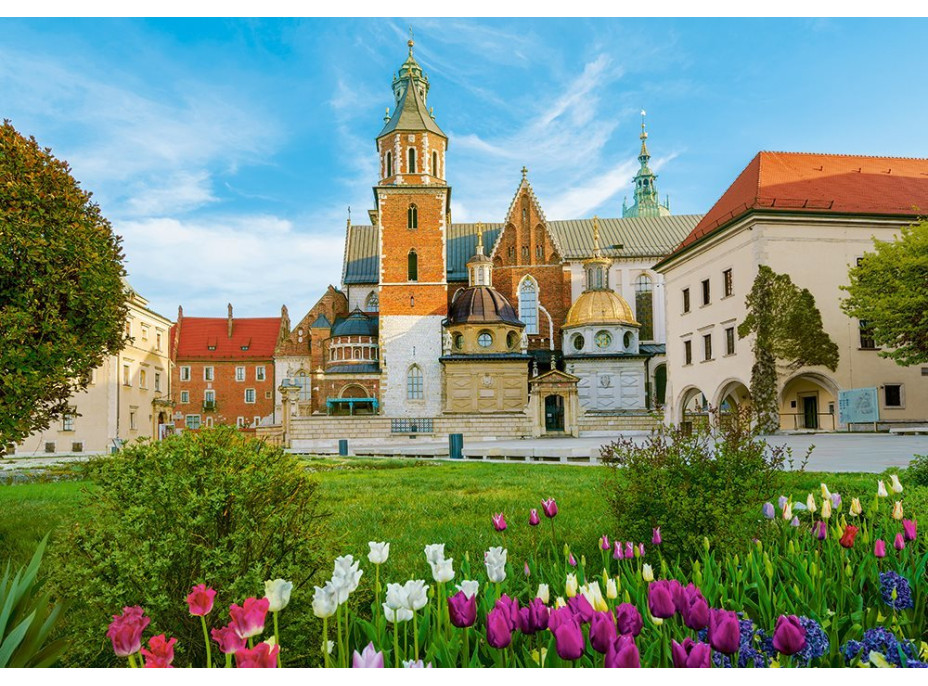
896 486
325 601
435 553
469 588
570 585
278 594
397 615
443 571
560 602
396 596
543 593
612 591
495 556
826 494
881 489
344 565
496 573
810 504
787 511
417 594
379 552
330 647
826 509
647 573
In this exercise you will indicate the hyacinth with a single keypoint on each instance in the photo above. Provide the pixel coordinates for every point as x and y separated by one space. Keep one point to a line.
880 640
889 582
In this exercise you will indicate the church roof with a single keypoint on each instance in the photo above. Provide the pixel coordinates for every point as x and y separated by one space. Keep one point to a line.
411 114
819 184
356 324
600 307
482 305
252 337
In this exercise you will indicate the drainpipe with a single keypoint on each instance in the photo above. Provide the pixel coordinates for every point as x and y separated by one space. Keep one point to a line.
647 383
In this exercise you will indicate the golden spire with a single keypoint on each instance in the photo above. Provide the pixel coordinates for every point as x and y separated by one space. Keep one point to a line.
410 42
596 251
479 238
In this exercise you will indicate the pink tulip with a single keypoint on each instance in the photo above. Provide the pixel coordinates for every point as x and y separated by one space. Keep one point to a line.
899 543
499 522
528 572
533 518
656 537
604 543
908 528
200 600
641 549
125 631
549 507
623 653
618 554
629 550
879 548
160 652
248 621
571 560
262 655
229 641
368 658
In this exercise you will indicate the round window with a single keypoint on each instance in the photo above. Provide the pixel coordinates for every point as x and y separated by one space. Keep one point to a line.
512 340
627 339
603 339
458 341
578 342
484 340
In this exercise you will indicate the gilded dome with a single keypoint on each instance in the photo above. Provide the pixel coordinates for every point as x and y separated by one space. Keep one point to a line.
600 307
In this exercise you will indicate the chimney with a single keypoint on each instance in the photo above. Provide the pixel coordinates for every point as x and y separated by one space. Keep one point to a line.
230 320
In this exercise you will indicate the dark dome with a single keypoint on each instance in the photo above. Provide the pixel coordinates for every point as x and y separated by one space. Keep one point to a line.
482 305
356 324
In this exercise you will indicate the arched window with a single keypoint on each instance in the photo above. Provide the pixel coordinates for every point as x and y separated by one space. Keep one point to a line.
412 267
303 381
356 354
372 304
644 307
412 217
411 167
414 383
389 164
528 304
435 164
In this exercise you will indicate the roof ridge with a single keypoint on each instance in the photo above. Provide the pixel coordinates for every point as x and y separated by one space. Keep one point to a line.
840 154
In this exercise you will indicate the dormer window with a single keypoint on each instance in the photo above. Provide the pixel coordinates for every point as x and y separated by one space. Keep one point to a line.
244 347
211 347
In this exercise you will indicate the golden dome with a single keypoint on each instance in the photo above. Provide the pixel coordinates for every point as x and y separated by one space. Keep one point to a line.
600 307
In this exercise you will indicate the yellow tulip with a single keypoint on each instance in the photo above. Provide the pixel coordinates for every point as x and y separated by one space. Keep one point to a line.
856 509
543 593
897 510
560 602
647 573
810 504
826 509
826 494
570 588
612 591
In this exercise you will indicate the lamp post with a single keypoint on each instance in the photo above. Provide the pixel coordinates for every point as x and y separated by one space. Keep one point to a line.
288 394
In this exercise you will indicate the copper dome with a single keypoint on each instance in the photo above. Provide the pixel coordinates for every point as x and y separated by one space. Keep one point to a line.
482 305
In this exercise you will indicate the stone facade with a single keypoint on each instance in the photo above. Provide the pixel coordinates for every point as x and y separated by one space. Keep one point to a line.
609 385
477 386
409 342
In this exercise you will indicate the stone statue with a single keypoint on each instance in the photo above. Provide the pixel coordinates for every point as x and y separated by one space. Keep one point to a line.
446 343
523 342
534 368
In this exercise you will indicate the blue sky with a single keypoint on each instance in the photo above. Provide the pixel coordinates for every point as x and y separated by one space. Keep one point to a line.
226 152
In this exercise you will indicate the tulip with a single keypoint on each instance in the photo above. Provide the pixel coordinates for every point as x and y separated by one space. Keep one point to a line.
533 518
560 614
379 552
768 511
543 593
691 654
160 652
820 530
571 560
660 600
724 631
435 553
346 577
416 664
781 501
594 596
248 620
794 522
462 610
602 631
396 596
571 586
499 522
899 543
370 657
397 615
549 507
200 600
647 573
908 528
639 552
879 548
696 611
495 562
469 588
855 509
533 617
499 632
789 637
581 608
604 543
623 653
836 500
612 591
629 550
628 620
787 511
618 552
125 631
527 571
847 540
678 594
416 595
324 601
826 509
656 536
810 504
442 571
278 594
896 486
569 640
229 641
510 608
262 655
897 510
881 489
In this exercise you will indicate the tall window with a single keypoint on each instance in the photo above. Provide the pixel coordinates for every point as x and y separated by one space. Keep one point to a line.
528 305
435 164
185 397
412 217
126 379
207 373
302 380
185 373
414 383
727 282
707 346
209 397
389 164
143 379
239 373
412 161
372 304
260 373
412 266
866 336
705 292
686 300
157 381
67 422
249 395
644 307
730 340
157 340
688 352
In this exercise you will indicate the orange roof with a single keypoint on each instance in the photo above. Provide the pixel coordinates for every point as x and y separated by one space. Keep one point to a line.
257 335
819 183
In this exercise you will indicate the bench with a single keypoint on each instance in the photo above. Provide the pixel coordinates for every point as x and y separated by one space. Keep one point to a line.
906 430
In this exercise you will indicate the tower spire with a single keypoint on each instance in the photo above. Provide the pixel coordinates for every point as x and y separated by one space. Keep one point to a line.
647 202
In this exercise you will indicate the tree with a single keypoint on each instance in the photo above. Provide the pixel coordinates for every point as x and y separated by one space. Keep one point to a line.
62 299
889 295
787 327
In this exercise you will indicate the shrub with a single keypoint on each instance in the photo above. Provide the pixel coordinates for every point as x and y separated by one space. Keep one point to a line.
917 472
212 507
694 482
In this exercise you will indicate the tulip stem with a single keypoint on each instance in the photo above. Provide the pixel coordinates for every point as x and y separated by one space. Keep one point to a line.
276 639
228 660
415 635
466 648
377 597
209 656
132 662
325 641
342 657
396 645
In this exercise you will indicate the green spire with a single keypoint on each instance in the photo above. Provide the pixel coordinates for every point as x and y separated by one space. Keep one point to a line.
410 88
647 203
410 70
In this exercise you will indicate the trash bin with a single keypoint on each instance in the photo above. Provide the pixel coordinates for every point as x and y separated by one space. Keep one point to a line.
343 447
456 446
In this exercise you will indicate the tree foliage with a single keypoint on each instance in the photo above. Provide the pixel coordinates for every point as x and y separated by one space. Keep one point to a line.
62 301
787 328
889 291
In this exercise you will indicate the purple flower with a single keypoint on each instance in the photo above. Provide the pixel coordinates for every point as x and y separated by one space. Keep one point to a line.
908 528
660 599
369 657
533 617
604 543
794 522
768 511
724 631
618 554
558 616
695 610
499 633
789 637
510 609
549 507
782 500
836 500
623 653
571 560
820 530
641 549
628 620
499 522
629 550
602 632
462 610
691 654
533 518
581 608
879 548
889 582
656 537
569 640
899 542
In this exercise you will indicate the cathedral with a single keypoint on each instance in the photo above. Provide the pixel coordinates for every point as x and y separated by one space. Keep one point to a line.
549 320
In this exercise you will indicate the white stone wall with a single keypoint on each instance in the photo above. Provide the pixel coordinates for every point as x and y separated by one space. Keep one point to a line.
609 385
357 296
406 340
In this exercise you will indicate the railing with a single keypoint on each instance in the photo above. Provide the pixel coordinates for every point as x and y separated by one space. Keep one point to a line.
209 405
412 426
799 420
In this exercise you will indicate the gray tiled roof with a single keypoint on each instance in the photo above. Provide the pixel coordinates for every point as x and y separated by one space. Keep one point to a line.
411 114
362 255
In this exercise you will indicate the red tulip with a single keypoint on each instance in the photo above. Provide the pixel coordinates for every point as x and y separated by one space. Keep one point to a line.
229 641
691 654
623 653
847 540
262 655
200 600
248 621
724 631
160 652
462 610
533 518
628 620
879 548
569 640
602 632
660 599
789 637
125 631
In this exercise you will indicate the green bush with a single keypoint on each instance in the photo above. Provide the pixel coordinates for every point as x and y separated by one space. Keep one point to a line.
212 507
693 482
917 472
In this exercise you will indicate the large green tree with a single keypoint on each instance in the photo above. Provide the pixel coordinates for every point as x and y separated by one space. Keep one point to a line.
889 292
787 328
62 299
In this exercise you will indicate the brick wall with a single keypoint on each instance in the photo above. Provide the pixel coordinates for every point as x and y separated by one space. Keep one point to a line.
230 394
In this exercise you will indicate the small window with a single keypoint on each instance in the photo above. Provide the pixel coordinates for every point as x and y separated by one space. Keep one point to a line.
77 447
524 252
435 164
157 340
192 421
627 340
603 339
184 397
892 395
688 352
209 397
185 373
372 304
511 252
412 217
705 292
484 339
144 332
686 300
866 336
578 342
143 379
459 341
209 422
389 164
240 422
257 421
207 373
414 386
540 251
412 268
249 395
67 422
245 347
267 395
133 424
158 381
727 282
126 375
239 373
128 331
707 346
730 340
411 156
512 340
259 373
49 447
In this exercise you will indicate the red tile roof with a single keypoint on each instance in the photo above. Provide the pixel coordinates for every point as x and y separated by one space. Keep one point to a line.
819 183
198 334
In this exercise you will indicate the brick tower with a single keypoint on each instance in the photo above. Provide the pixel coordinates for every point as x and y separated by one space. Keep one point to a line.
412 217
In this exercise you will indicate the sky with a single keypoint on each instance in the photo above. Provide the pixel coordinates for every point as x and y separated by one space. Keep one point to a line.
227 152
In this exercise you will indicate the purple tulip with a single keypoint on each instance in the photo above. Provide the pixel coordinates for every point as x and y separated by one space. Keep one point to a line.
820 530
623 653
571 560
660 599
782 500
462 610
533 518
908 528
499 633
549 507
602 631
836 500
581 608
628 620
879 548
604 542
618 554
789 637
629 550
533 617
368 658
768 511
724 631
656 537
569 640
558 616
499 522
899 543
678 593
696 611
510 609
794 522
691 654
641 549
